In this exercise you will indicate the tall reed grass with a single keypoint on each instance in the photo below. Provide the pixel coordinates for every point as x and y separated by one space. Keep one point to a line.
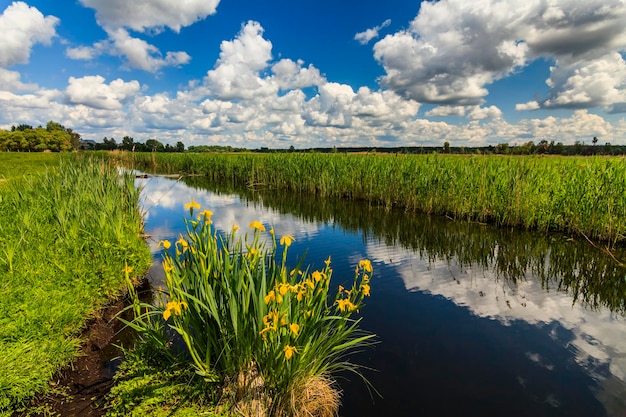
65 237
274 334
581 195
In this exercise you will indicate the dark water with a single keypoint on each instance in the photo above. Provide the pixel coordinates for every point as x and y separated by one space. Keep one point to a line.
472 320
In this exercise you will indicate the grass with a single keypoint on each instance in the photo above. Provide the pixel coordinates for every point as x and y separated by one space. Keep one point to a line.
581 195
66 235
19 164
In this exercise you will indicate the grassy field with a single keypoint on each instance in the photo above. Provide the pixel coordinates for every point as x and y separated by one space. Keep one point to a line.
579 195
68 229
19 164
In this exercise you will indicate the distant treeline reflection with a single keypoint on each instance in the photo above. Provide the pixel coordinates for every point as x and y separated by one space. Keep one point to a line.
573 265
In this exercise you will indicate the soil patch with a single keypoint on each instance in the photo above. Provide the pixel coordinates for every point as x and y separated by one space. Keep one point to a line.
85 384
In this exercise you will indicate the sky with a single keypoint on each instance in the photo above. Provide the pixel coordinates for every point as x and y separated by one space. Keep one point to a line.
281 73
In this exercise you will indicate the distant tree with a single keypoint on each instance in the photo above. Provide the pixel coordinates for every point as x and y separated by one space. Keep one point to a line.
446 147
128 143
154 145
52 125
594 141
22 127
180 147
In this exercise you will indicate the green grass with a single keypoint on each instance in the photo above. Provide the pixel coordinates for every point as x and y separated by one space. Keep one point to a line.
66 234
581 195
17 164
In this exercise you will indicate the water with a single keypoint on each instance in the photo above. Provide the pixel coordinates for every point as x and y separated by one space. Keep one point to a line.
472 320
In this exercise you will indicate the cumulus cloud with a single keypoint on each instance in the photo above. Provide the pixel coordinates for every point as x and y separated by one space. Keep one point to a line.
92 91
143 15
600 82
237 71
530 105
10 81
369 34
472 112
454 49
140 54
21 27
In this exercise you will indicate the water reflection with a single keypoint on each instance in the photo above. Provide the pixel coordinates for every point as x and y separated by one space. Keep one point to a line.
472 320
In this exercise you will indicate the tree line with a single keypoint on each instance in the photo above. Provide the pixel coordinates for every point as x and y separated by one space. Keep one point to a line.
24 138
128 143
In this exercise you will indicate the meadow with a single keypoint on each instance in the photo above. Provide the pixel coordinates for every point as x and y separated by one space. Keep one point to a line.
584 196
69 228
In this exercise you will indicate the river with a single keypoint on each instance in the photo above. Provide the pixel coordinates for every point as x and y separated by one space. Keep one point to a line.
471 319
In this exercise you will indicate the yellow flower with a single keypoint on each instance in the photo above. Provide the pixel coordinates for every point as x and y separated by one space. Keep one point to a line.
192 205
127 269
366 265
173 307
346 305
257 225
283 288
327 261
252 252
271 296
235 227
165 243
206 214
317 276
167 266
295 328
286 240
366 290
289 351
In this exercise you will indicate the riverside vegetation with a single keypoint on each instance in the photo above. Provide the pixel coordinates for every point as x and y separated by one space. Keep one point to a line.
68 230
268 336
580 195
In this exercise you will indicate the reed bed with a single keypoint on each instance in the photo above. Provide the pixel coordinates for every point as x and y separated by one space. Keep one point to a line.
579 195
66 236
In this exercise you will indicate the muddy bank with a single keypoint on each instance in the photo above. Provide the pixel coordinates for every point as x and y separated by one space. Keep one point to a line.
81 389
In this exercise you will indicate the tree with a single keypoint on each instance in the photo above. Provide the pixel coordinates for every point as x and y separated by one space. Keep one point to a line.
52 125
594 141
128 143
446 147
180 147
154 145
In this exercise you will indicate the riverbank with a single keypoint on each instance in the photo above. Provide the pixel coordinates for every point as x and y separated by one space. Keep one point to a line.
68 232
584 196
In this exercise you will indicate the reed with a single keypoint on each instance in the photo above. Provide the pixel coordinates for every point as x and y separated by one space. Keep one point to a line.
579 195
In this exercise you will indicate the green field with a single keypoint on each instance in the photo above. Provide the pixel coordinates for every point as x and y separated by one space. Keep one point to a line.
578 195
68 228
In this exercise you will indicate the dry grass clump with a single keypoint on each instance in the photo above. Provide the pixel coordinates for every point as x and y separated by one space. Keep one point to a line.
314 396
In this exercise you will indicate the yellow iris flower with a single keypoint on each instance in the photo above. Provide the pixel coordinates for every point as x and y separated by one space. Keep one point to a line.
366 265
173 307
192 205
257 225
289 351
286 240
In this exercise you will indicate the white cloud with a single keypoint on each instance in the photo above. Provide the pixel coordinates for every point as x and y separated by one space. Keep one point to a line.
21 27
472 112
88 53
10 81
600 82
369 34
92 91
140 54
531 105
289 74
237 71
454 49
142 15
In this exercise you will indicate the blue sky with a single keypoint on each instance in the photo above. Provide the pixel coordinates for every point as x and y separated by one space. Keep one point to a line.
318 73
